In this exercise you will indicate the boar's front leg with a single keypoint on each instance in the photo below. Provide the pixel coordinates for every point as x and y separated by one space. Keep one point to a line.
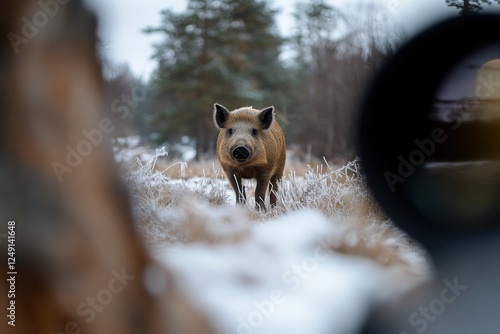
239 189
273 189
260 192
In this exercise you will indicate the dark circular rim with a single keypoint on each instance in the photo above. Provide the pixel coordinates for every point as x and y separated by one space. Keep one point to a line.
411 79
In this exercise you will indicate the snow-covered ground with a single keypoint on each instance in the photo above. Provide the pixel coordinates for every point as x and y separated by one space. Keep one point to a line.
285 277
313 266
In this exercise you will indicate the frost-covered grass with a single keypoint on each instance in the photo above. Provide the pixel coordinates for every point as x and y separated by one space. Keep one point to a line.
325 226
335 193
156 197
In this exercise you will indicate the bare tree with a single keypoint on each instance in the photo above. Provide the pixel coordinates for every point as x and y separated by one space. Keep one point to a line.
337 52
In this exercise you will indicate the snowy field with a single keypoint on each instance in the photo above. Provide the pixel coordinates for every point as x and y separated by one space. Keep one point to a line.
315 264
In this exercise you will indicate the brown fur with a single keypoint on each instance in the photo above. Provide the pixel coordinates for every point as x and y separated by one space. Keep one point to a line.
267 150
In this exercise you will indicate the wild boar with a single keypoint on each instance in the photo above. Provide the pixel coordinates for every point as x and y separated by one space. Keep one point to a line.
251 145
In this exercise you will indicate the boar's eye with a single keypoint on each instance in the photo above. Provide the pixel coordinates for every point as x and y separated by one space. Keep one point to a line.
254 132
230 131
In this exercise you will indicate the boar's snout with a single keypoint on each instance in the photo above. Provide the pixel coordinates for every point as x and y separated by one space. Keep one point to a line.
241 153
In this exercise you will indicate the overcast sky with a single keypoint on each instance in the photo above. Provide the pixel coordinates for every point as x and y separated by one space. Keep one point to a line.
121 22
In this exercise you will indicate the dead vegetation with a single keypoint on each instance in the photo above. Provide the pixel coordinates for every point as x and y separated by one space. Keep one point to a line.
171 210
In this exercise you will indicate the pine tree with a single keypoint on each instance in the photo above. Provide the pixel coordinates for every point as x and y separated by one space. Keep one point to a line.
223 51
468 7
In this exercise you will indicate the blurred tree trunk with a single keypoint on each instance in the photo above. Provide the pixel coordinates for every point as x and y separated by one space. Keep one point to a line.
466 7
79 261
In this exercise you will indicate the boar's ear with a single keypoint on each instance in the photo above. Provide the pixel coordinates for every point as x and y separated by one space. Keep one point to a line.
266 117
221 114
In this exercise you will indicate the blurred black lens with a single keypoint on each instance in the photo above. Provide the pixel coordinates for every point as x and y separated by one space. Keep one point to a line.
429 134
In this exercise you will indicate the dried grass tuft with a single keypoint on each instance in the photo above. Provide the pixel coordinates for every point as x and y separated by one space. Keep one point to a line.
184 210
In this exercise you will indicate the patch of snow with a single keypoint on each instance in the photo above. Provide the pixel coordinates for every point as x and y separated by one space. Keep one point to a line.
292 273
283 278
130 141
